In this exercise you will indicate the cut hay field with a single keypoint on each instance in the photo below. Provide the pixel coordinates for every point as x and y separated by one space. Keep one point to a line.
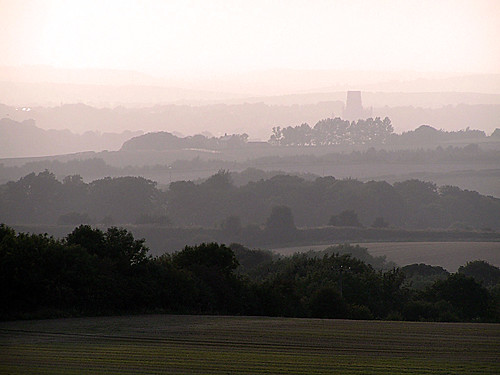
160 344
449 255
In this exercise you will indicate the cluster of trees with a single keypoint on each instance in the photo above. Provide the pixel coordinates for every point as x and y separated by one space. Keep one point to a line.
376 131
421 275
334 132
349 218
95 272
41 198
426 134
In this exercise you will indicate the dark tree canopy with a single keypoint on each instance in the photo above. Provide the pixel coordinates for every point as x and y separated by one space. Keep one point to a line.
94 272
209 255
481 271
467 297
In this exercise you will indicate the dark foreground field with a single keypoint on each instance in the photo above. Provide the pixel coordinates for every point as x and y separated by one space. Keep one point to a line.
214 344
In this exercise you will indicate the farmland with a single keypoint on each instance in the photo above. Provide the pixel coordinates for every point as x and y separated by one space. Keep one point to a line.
449 255
217 344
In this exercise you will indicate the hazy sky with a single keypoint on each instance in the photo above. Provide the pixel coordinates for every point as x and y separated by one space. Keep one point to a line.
204 37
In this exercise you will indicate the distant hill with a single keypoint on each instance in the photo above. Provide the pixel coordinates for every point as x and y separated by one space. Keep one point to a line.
449 117
257 118
49 85
101 95
22 139
46 73
164 141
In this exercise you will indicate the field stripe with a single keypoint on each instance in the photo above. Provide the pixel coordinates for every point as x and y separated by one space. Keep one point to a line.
246 345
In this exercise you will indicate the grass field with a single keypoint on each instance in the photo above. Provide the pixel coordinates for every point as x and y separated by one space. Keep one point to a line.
449 255
159 344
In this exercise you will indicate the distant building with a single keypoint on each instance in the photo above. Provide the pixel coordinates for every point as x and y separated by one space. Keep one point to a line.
354 110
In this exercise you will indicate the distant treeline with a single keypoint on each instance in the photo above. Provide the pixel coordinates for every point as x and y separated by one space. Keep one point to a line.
327 132
95 167
217 202
93 272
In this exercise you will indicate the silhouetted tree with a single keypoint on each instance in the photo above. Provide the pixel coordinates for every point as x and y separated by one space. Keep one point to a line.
380 222
116 244
468 299
483 272
347 218
212 267
280 224
327 303
124 197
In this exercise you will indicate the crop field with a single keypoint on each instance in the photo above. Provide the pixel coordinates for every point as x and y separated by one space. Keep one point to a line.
449 255
160 344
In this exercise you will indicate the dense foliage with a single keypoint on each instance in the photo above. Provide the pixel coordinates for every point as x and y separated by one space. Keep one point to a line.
41 198
369 131
96 272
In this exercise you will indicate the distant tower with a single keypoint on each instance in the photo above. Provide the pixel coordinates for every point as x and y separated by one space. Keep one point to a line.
354 108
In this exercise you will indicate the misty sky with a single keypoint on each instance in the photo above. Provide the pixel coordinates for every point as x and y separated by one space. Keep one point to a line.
201 37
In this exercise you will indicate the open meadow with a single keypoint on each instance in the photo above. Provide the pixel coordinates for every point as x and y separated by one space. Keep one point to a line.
154 344
449 255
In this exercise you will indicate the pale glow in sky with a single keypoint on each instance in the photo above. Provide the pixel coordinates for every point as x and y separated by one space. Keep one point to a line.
201 37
